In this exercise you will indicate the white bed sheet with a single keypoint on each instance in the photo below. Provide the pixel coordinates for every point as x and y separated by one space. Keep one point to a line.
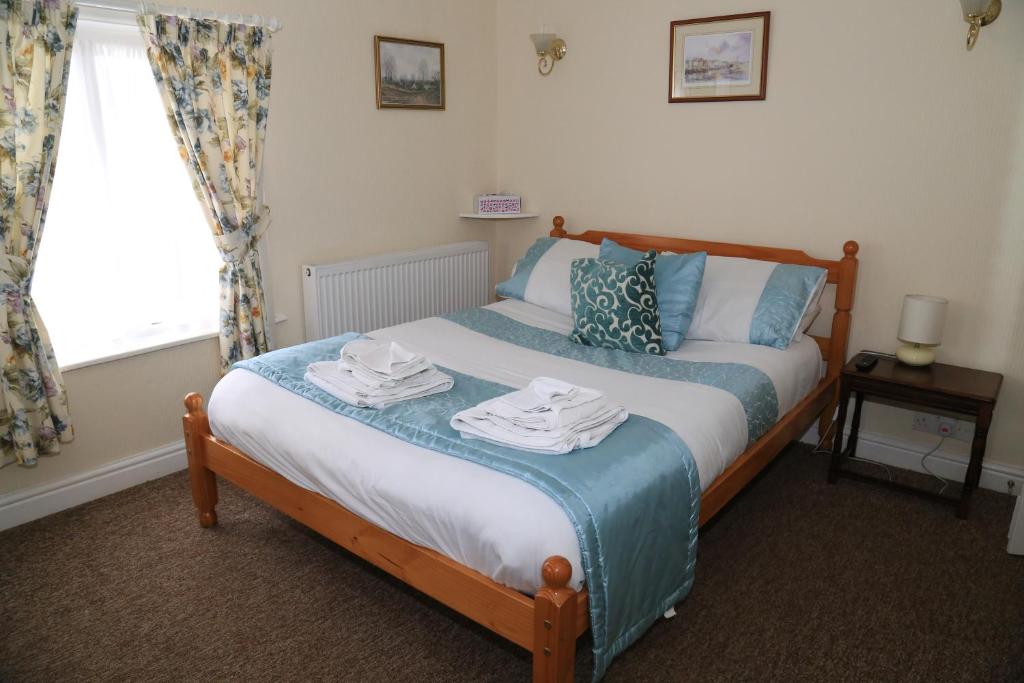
492 522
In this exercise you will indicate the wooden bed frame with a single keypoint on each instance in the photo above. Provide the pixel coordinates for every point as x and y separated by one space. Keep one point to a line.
549 623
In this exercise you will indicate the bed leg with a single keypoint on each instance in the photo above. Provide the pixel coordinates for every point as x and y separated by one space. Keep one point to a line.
204 483
554 624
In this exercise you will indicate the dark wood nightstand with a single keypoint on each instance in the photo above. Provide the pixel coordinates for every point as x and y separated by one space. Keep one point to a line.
937 386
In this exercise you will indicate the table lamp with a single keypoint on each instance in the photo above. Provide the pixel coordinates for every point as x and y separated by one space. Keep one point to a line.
921 328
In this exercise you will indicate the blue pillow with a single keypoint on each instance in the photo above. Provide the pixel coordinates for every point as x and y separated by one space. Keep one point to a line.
677 278
615 306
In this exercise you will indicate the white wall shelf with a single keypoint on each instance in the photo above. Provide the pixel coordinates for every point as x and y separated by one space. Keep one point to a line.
498 216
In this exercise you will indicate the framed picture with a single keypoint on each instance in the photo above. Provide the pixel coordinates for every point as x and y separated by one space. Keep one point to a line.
719 58
410 73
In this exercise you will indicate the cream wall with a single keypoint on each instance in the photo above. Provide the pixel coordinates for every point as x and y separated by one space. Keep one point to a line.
878 127
343 180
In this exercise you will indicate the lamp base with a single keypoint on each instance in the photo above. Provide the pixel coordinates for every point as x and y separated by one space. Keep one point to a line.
916 355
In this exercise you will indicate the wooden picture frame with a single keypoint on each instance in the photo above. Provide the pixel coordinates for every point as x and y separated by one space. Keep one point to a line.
719 59
409 74
549 623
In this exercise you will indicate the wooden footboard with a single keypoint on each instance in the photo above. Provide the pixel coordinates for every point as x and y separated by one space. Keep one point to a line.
549 623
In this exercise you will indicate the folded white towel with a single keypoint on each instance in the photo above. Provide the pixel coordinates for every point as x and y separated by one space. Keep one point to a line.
473 425
338 379
548 416
381 360
547 403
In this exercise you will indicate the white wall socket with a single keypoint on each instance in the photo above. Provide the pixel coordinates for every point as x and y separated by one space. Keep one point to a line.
941 425
926 422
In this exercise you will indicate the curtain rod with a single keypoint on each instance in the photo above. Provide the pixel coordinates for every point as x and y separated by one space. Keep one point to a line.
135 7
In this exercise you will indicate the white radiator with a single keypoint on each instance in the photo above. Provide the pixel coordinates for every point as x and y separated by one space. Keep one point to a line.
375 292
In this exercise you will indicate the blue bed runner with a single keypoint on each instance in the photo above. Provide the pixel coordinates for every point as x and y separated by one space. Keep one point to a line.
634 499
751 386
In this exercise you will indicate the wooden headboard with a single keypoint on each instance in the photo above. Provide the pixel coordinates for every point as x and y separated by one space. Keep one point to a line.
842 273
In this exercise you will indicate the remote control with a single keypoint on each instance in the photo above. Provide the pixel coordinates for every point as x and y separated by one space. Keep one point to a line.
865 363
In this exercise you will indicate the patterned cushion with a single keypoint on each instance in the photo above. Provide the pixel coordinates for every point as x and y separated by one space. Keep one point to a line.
615 306
678 277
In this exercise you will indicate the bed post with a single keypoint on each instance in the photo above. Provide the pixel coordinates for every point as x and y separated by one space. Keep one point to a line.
559 229
554 624
840 330
204 484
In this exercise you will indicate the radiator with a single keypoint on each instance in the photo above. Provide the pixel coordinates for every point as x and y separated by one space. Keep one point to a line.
375 292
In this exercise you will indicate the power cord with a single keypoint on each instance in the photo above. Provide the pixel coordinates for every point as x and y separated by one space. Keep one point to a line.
825 451
924 466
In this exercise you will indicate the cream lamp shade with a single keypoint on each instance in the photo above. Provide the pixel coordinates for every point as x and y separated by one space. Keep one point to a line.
542 41
921 326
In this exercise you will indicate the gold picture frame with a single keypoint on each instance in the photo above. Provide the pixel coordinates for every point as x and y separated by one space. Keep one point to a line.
719 59
409 73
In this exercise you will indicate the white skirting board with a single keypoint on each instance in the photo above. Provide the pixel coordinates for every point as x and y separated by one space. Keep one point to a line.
906 455
24 506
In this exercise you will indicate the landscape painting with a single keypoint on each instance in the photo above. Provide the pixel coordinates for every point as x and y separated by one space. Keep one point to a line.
410 74
717 58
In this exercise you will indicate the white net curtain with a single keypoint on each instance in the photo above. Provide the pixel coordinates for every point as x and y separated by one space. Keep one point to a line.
127 260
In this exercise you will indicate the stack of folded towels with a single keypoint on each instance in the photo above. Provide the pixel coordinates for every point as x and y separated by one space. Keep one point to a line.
376 374
548 416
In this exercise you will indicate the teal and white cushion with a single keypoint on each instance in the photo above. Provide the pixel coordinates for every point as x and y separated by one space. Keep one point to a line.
541 277
756 302
615 306
678 278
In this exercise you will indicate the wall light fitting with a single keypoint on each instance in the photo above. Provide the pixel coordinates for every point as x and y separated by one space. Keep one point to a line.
978 13
550 49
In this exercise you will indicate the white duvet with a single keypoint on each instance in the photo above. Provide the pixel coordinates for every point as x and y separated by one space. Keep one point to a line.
500 526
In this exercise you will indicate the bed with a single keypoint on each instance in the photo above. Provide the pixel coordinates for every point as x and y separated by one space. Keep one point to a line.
467 535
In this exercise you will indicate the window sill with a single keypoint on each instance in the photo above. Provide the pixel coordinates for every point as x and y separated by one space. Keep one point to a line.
151 349
138 352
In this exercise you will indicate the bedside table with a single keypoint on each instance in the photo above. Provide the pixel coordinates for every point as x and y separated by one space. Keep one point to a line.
937 386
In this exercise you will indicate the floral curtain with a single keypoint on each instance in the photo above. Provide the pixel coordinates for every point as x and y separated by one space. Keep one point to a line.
35 55
214 78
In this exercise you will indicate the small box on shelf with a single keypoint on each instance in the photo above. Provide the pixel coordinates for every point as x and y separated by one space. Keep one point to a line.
499 204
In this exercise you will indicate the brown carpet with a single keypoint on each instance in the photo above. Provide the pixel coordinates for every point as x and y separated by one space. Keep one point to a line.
797 580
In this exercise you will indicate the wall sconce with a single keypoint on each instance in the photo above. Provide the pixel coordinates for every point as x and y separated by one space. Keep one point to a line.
979 13
550 49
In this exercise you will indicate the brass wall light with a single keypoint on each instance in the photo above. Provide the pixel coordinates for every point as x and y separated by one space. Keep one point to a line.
979 13
550 49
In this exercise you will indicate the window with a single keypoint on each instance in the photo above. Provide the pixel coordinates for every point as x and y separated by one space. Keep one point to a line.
127 261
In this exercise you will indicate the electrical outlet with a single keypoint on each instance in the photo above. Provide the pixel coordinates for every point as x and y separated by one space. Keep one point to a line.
941 425
926 422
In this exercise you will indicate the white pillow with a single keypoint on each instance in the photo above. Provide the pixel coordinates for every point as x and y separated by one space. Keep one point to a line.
812 312
541 276
805 322
752 301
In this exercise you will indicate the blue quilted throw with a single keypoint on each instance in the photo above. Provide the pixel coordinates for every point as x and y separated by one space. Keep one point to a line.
633 499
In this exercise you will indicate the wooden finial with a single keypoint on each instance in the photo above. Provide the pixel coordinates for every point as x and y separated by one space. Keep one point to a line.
556 572
851 248
559 229
193 404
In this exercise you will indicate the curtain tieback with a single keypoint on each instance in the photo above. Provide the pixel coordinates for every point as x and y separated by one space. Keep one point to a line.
15 269
237 244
